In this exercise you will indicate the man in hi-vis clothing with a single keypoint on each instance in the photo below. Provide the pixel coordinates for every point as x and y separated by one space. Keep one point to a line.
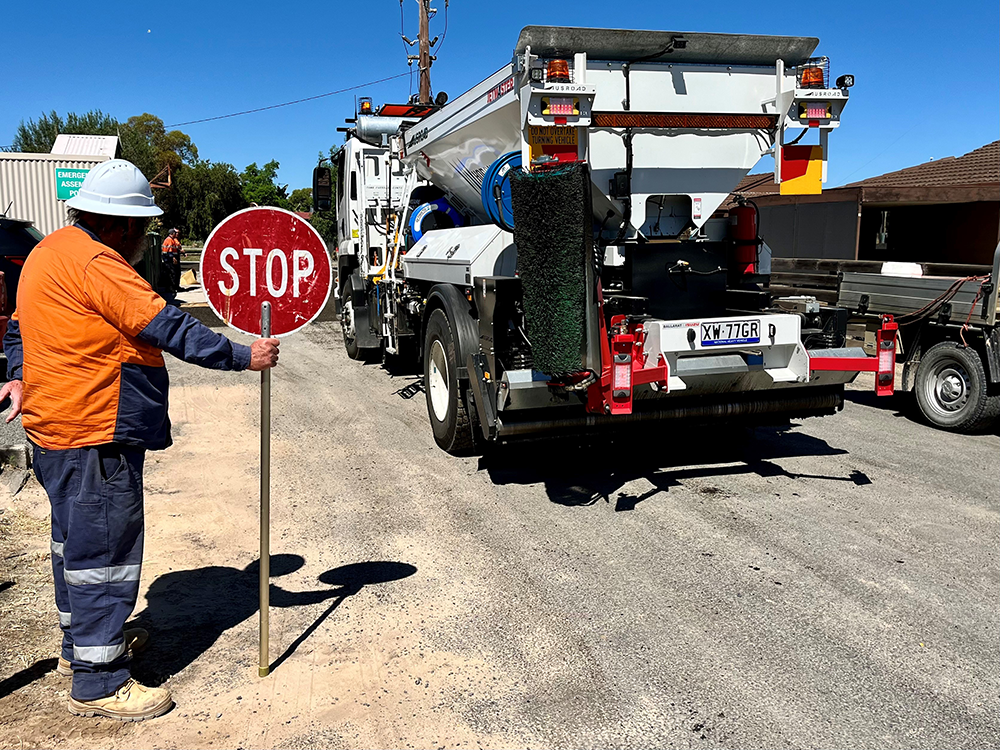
87 375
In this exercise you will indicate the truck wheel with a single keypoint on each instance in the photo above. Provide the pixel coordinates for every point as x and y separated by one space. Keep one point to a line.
445 404
951 389
348 323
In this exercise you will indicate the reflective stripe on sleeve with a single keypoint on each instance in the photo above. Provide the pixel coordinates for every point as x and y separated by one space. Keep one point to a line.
98 654
57 548
65 619
118 574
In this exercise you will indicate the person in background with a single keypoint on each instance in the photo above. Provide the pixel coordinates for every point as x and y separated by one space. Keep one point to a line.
84 349
172 262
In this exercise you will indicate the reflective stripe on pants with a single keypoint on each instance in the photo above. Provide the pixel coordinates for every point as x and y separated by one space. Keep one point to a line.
97 535
98 654
92 576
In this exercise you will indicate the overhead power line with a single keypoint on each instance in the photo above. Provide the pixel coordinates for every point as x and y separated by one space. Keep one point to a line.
287 104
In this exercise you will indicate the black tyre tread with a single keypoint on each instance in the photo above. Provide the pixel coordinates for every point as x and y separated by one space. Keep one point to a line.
987 408
990 414
462 440
354 351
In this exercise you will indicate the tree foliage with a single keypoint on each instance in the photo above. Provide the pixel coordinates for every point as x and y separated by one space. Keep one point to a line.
203 194
260 187
143 139
146 143
38 136
301 199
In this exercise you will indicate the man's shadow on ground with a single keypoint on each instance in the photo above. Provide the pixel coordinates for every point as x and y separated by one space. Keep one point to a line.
187 610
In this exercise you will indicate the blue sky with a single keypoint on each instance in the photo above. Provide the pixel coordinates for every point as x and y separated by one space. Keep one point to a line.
927 72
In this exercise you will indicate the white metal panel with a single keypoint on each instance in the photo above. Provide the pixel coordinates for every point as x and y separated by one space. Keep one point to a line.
28 185
461 255
783 357
454 147
86 145
703 164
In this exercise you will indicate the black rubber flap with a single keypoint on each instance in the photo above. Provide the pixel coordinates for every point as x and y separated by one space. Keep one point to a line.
552 234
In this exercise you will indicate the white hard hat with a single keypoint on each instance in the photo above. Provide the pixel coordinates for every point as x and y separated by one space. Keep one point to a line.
115 188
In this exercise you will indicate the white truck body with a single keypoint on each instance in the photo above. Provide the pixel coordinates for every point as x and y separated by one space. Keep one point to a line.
667 125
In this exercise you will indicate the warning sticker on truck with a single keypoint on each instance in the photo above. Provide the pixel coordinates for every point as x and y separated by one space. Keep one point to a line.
559 143
539 135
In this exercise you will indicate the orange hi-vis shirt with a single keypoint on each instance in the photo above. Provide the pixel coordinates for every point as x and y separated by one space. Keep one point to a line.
80 309
171 245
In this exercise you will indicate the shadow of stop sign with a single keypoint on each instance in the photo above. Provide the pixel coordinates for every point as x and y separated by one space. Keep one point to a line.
266 255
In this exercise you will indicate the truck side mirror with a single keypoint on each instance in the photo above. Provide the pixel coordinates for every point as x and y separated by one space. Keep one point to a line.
322 189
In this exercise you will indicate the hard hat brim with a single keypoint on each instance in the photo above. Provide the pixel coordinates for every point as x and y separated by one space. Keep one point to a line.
82 203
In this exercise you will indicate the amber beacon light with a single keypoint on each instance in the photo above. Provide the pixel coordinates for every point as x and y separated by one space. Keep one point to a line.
814 73
557 71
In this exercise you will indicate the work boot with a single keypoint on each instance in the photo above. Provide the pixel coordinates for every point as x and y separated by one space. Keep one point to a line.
135 640
131 702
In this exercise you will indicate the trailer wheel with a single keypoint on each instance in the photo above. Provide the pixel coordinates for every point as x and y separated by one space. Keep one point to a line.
951 389
445 404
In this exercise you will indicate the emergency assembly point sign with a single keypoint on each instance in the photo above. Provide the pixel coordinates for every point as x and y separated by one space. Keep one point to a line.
266 255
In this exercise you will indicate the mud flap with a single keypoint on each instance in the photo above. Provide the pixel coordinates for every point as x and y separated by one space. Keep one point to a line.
483 395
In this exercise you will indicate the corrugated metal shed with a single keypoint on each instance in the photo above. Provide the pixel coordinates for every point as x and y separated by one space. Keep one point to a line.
86 145
29 182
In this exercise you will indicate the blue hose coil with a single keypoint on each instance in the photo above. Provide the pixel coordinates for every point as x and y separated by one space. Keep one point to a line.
440 206
500 210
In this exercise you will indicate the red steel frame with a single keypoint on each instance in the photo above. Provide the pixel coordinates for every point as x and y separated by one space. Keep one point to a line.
622 355
883 364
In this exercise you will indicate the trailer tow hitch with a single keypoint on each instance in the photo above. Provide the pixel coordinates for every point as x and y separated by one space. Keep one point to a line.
623 366
883 364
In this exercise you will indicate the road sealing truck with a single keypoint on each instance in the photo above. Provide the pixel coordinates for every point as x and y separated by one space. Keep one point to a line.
548 244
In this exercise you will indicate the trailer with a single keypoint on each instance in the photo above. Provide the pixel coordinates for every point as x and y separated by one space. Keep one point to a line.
544 244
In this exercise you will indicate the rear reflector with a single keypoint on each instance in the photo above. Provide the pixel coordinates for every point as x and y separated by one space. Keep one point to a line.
622 380
665 120
885 378
886 359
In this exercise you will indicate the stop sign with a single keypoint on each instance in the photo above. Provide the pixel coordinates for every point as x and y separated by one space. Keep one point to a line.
266 255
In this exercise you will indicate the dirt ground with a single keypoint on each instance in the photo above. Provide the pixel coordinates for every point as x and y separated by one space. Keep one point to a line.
832 585
346 671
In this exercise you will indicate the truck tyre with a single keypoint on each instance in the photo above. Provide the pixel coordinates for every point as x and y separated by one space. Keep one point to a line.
348 323
951 389
446 406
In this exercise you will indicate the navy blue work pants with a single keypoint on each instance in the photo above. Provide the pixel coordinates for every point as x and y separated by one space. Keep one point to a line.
97 534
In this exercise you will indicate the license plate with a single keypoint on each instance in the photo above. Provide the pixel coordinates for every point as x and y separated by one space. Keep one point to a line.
729 332
551 136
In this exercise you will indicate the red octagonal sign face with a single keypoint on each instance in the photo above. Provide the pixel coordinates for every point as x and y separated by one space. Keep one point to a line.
266 255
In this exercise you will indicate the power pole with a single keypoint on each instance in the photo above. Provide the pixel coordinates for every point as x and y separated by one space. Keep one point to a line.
424 39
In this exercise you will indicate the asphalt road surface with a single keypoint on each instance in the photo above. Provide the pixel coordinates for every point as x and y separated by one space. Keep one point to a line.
829 585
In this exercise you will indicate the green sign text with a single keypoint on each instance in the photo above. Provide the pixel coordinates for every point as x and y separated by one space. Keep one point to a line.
68 182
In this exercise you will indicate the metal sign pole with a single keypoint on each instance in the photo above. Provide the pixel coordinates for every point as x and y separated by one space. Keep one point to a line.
265 497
